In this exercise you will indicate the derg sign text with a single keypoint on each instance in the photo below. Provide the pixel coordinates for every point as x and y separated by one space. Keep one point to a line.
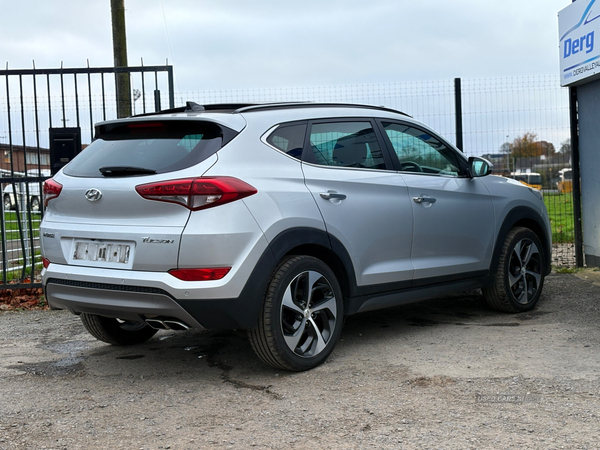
574 46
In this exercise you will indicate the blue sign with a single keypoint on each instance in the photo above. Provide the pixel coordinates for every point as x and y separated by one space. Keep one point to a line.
578 25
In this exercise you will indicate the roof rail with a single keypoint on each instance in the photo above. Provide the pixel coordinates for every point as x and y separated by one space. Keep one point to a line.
249 107
291 105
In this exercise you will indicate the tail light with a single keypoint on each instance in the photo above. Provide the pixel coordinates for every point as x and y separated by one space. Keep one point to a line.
197 193
51 189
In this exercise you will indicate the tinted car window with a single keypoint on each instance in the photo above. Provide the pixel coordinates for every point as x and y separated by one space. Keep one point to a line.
419 151
289 139
346 144
151 147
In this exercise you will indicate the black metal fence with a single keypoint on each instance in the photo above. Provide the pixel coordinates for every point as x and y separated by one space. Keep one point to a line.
35 102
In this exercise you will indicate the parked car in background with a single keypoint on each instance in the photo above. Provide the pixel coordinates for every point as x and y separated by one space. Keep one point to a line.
565 180
31 191
280 219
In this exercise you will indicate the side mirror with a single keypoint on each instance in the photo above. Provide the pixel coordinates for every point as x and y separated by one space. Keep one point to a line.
479 167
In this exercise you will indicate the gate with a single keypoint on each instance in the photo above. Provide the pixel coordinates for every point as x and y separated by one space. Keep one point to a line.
46 117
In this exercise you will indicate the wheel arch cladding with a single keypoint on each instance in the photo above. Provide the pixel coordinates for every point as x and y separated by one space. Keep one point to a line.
323 246
522 217
243 312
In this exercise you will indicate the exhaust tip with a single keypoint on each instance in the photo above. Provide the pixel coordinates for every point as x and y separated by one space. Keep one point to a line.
176 325
160 323
156 324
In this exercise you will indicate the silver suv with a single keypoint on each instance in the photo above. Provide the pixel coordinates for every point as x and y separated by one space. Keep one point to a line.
280 219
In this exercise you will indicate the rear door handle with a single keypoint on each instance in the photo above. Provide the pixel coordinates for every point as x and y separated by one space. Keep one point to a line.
332 195
424 199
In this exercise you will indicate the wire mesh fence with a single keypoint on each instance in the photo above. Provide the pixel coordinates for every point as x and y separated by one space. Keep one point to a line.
521 124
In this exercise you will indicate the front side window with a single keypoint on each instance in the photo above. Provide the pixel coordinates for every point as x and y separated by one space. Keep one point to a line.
345 144
418 151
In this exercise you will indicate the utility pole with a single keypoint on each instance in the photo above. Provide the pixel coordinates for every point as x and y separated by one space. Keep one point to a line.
117 8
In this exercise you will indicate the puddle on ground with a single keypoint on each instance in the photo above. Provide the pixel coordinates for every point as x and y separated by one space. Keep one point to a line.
71 363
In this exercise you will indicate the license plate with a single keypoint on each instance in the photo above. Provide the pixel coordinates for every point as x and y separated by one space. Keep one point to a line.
111 252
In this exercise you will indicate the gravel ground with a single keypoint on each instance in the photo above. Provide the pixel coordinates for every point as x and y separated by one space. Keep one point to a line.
442 374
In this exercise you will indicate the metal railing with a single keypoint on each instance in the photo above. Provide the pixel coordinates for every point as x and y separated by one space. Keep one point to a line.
35 101
21 261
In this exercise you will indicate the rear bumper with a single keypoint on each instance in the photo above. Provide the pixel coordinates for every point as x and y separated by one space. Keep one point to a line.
133 303
139 304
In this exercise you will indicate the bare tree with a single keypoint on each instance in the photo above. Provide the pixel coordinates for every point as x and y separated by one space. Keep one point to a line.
565 147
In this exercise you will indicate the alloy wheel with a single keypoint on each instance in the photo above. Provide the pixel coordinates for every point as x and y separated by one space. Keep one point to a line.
524 275
308 314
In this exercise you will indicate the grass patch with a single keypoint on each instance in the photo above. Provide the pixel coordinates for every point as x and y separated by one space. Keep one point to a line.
13 270
560 210
11 225
15 274
10 221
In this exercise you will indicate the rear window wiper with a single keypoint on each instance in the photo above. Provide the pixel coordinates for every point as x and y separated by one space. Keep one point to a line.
116 171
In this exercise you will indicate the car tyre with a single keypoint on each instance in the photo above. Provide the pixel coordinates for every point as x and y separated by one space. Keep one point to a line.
116 331
520 275
7 203
34 204
301 317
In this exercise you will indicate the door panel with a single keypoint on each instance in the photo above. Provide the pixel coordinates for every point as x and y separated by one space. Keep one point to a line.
453 214
365 208
454 233
373 220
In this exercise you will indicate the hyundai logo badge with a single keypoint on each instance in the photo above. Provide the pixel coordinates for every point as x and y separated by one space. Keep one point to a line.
93 195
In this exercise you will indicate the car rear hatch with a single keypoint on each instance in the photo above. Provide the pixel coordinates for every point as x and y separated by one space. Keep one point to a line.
96 214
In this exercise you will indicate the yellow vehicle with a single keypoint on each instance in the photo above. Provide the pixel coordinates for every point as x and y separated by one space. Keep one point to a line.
531 179
565 180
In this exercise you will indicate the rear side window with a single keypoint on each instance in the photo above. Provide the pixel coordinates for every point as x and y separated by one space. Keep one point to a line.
345 144
138 148
289 139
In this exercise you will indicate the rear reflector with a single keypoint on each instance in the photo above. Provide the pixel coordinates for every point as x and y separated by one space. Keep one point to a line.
200 274
51 189
197 193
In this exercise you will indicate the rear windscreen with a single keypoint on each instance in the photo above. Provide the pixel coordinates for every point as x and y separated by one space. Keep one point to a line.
137 148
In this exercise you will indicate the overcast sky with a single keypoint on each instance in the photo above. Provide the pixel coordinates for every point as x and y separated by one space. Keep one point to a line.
231 44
